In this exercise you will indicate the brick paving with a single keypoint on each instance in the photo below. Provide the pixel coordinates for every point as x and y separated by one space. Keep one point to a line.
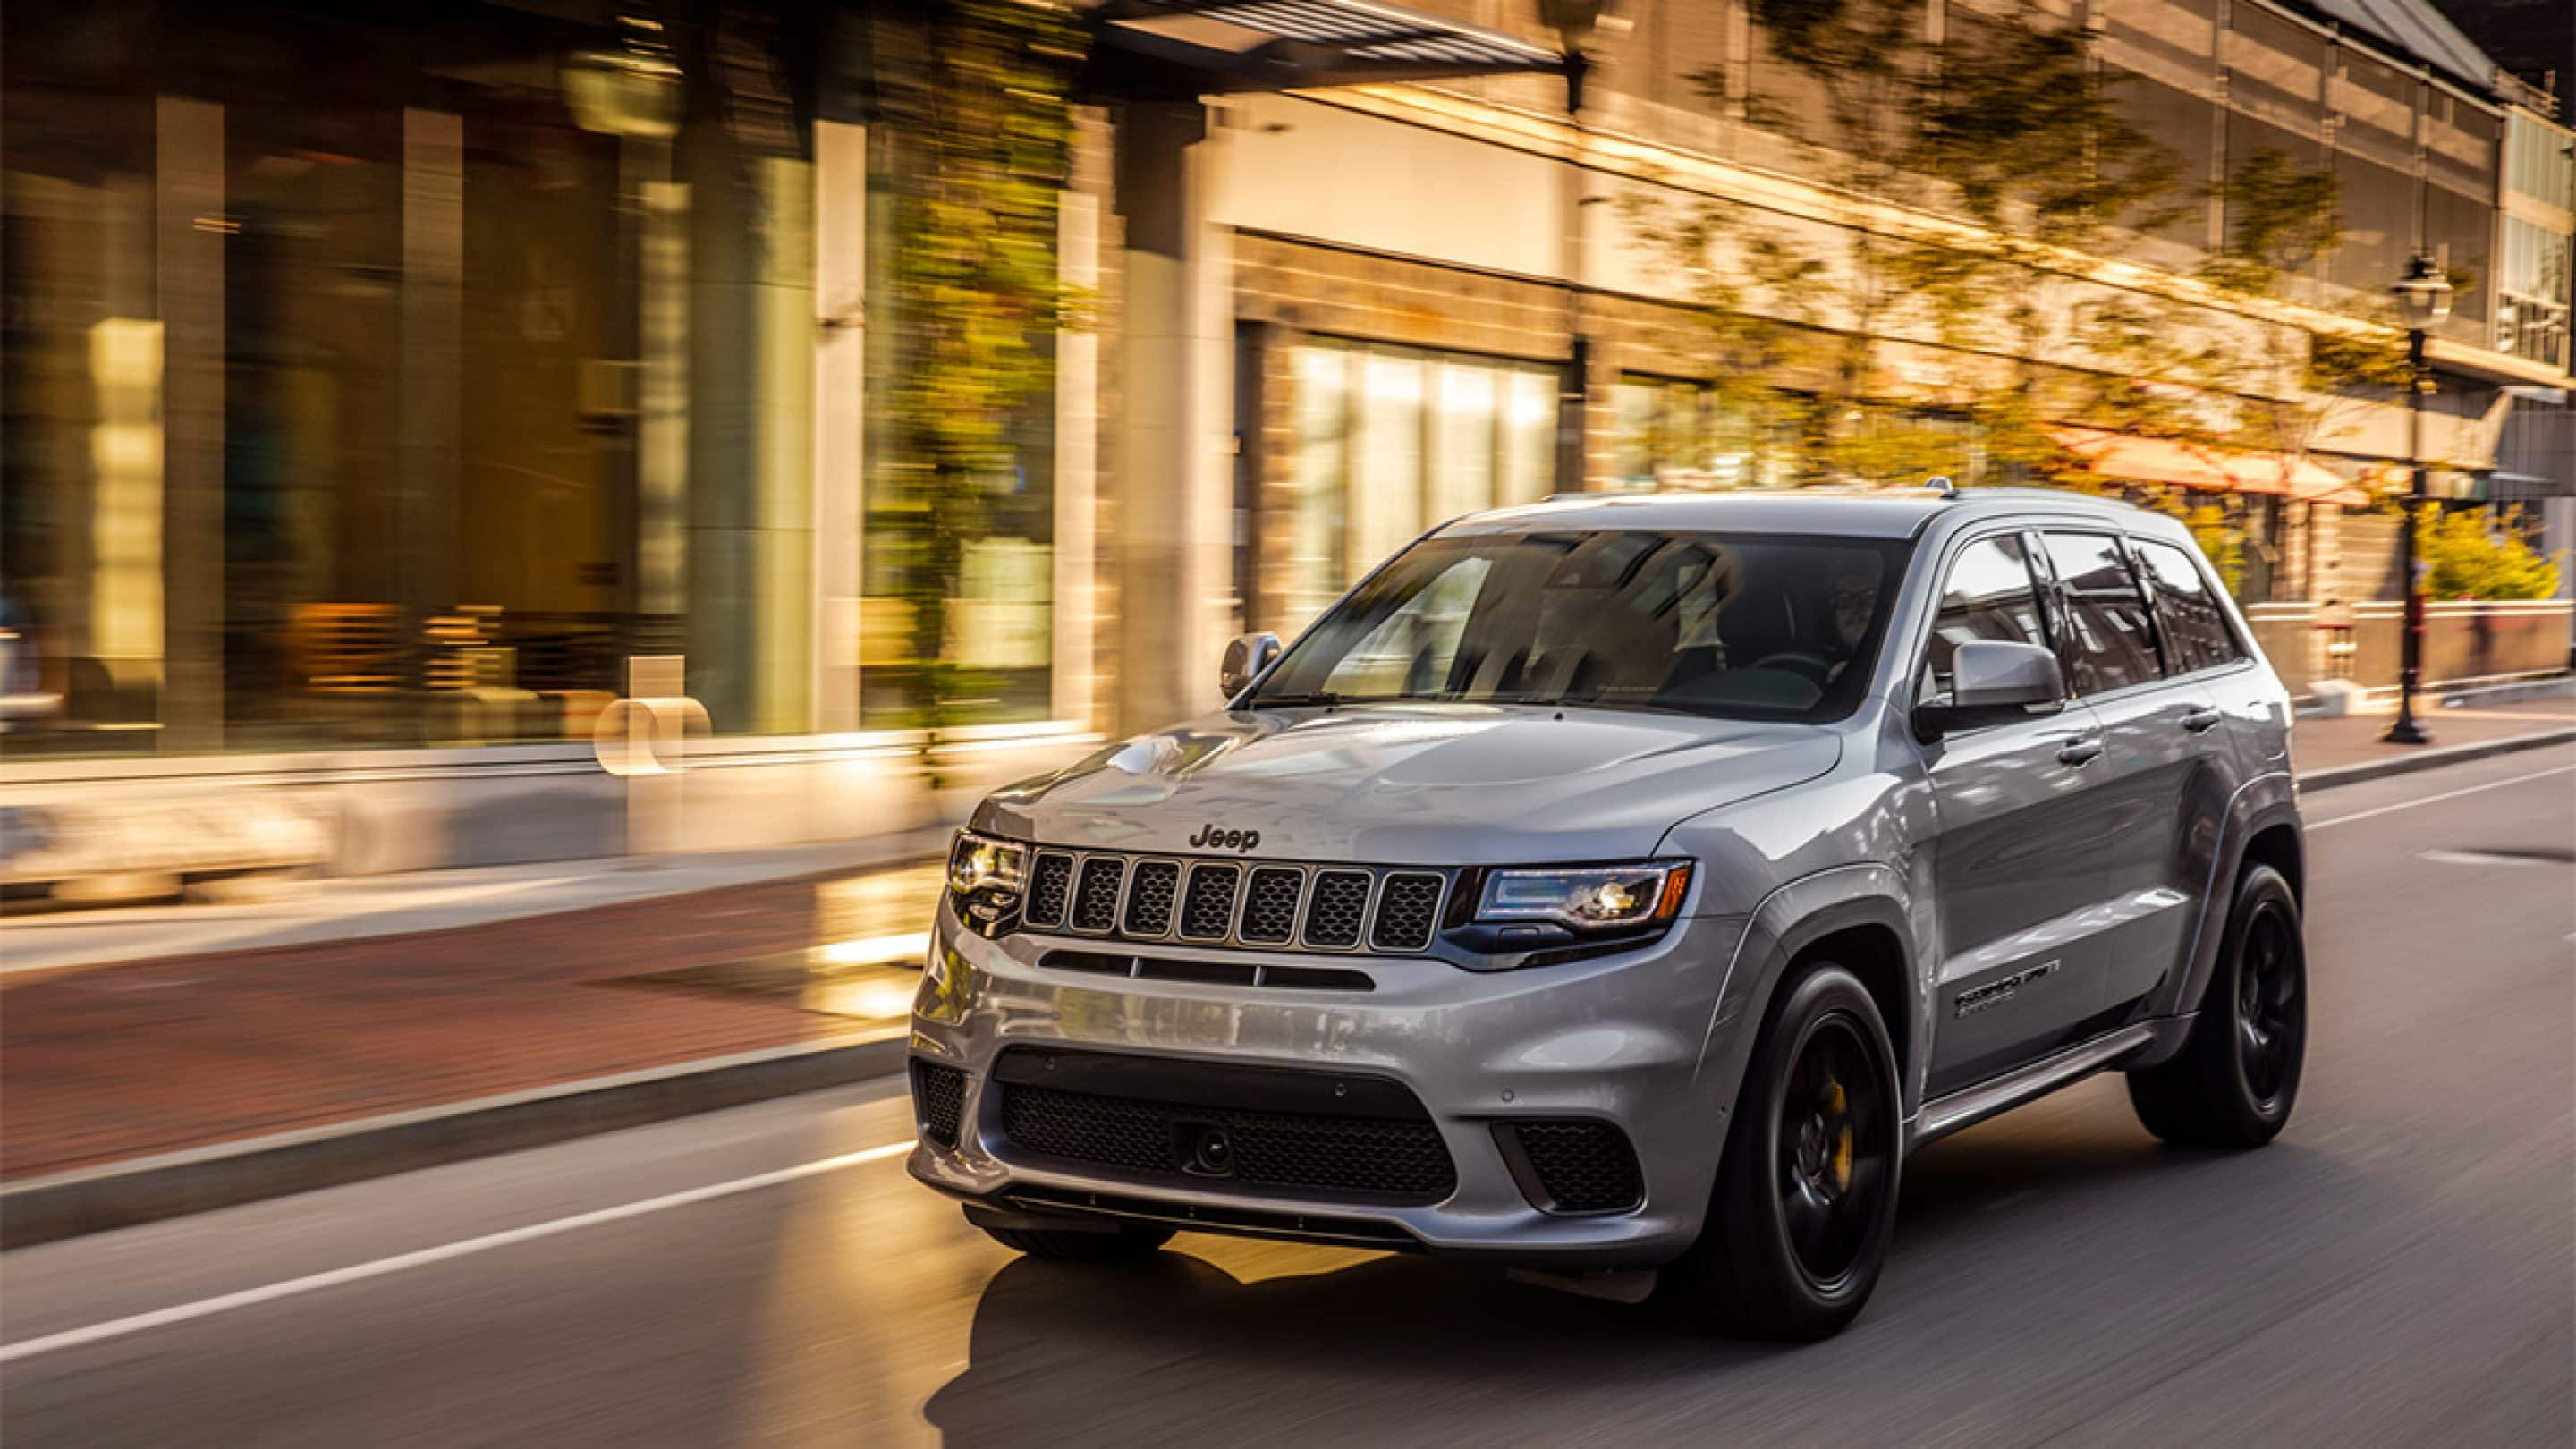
108 1063
115 1062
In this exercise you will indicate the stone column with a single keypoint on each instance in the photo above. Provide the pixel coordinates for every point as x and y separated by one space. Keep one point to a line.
1175 484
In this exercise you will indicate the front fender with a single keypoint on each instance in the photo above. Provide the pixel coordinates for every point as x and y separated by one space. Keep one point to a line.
1790 919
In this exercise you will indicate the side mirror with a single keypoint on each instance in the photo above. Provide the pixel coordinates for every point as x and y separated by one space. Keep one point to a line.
1994 681
1245 660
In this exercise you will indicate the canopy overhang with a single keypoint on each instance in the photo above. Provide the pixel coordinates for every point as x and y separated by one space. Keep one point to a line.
1175 48
2178 463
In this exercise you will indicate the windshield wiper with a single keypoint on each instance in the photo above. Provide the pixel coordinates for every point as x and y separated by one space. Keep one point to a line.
1295 701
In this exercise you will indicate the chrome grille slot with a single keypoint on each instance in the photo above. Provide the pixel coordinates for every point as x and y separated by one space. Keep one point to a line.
1408 910
1207 907
1095 894
1050 889
1151 898
1270 905
1336 908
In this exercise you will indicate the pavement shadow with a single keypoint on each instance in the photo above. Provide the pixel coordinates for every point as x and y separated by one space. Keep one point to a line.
1178 1350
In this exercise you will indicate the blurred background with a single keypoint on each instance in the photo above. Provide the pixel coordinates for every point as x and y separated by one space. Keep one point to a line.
522 522
379 382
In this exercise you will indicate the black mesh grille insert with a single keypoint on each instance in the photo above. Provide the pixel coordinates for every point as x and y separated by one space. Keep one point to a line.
1361 1156
1095 898
1336 907
1150 898
938 1101
1581 1167
1270 906
1207 910
1406 911
1050 890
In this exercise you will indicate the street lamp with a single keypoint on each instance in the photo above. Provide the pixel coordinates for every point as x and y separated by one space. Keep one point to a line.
2423 298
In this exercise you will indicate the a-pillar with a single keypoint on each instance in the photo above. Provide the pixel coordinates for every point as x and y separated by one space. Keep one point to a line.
1174 487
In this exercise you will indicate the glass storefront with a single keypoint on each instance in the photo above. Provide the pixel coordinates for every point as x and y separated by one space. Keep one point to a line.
1388 442
390 381
363 390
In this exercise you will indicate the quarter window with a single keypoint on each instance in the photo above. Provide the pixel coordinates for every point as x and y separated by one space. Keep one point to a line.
2111 641
1989 595
2188 615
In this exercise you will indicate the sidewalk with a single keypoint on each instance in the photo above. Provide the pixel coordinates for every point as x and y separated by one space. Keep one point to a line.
323 1024
2328 748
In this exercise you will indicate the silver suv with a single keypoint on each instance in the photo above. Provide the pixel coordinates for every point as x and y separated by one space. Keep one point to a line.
1630 883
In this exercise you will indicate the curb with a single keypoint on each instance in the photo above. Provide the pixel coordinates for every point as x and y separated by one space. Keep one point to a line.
2430 759
127 1194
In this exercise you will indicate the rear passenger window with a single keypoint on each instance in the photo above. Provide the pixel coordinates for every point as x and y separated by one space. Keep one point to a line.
2111 644
1989 595
2188 614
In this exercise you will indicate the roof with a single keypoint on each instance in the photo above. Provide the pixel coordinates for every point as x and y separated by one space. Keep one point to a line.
1272 45
2417 28
1892 514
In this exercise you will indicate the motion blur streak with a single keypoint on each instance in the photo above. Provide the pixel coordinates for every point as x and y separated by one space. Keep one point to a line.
207 1307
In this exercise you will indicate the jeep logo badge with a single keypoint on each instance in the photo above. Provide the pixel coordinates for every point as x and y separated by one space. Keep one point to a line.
1211 838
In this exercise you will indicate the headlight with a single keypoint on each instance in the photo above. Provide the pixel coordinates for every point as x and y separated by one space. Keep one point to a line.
1587 898
987 876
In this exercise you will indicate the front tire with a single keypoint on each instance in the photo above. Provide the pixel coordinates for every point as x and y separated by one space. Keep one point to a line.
2237 1077
1798 1226
1125 1243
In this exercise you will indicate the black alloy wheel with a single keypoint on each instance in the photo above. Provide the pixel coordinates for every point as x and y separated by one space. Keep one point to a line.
1834 1150
2237 1076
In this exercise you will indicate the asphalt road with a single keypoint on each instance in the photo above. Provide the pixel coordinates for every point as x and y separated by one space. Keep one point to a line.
2399 1269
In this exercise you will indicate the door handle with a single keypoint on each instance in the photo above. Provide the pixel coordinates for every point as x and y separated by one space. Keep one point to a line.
2200 720
2079 752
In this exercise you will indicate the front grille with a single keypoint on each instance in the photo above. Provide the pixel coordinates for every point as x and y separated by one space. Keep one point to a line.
1207 909
938 1101
1150 898
1408 908
1257 905
1050 890
1576 1167
1383 1147
1095 896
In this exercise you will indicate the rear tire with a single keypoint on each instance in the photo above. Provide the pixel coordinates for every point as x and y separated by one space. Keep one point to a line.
2237 1077
1798 1226
1126 1243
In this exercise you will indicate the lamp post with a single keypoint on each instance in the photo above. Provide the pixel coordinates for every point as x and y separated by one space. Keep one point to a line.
2423 298
1573 21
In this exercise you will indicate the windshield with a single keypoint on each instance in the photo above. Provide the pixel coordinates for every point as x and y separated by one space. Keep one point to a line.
1729 625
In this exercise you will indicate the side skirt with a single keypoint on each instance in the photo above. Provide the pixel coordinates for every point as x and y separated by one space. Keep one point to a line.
1972 1105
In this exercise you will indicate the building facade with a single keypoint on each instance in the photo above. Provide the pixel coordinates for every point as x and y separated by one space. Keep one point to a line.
375 388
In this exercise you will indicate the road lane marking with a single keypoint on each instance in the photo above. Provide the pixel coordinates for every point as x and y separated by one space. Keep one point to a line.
2438 799
401 1262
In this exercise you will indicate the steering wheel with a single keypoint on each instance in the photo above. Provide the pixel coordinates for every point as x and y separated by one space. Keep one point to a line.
1816 668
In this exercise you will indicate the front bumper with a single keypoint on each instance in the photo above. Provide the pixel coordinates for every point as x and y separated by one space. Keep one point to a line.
1619 1039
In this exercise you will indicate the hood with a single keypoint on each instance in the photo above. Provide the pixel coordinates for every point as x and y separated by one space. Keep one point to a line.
1428 784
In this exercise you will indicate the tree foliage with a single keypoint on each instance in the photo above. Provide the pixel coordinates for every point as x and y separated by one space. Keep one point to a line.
2006 126
2468 555
984 128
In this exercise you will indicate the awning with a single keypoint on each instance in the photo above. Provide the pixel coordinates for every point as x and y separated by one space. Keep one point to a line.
2184 464
1216 46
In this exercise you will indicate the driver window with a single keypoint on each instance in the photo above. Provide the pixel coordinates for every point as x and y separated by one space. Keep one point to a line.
1988 595
1411 650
